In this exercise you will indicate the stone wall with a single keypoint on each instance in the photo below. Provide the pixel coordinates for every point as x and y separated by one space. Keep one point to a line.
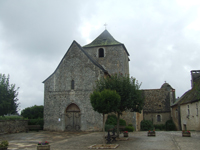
13 126
115 60
128 117
175 113
157 105
153 117
58 93
156 100
139 118
190 121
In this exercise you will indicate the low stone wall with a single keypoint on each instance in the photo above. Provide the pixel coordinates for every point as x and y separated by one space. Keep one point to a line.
13 126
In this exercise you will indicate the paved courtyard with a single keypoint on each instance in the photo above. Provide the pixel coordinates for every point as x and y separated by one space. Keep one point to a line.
172 140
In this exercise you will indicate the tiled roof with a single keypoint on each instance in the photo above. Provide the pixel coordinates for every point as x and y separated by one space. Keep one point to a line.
191 95
105 39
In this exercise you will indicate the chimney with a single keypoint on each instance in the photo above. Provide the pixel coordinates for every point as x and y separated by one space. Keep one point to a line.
195 75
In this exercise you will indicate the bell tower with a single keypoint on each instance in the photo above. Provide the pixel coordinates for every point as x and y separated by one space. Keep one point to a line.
110 53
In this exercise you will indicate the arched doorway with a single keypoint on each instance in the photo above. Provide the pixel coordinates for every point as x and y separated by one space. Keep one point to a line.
72 118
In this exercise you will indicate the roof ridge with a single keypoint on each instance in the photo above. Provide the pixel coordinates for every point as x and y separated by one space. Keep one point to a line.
89 57
105 39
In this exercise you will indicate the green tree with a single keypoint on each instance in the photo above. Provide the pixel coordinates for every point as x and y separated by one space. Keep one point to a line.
127 88
105 102
8 96
33 112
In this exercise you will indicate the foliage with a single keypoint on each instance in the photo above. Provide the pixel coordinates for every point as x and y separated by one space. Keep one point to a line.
130 125
4 144
111 120
8 96
146 125
38 121
127 88
33 112
159 127
105 102
45 143
122 122
108 127
185 131
129 129
170 126
11 118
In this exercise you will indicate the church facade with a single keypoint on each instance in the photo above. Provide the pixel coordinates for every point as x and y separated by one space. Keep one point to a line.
67 90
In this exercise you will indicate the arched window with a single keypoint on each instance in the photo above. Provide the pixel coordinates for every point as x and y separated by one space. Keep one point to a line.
72 84
101 52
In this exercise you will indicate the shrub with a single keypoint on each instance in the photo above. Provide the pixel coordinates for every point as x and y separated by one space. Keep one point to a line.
4 144
159 127
108 127
122 122
33 112
170 126
129 128
111 120
11 118
36 122
146 125
130 125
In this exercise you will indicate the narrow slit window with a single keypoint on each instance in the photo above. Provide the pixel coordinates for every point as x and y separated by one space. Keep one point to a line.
72 84
158 118
101 52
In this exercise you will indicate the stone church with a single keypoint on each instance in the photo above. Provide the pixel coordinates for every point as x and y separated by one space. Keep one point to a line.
157 104
67 90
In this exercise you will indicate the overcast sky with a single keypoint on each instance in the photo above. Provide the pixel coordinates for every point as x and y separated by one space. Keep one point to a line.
161 36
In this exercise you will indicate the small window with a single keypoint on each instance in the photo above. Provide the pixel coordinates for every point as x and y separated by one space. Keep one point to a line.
101 52
158 118
197 109
176 114
72 84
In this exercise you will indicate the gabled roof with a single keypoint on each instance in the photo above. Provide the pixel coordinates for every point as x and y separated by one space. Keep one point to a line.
180 99
191 95
89 57
105 39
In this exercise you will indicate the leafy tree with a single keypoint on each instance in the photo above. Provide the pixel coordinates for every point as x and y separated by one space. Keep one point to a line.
127 88
105 102
8 96
33 112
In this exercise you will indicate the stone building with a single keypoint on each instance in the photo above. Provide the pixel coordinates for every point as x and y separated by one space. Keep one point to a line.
185 112
67 90
157 104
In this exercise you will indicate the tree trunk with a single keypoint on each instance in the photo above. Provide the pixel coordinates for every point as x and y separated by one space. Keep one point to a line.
118 117
104 140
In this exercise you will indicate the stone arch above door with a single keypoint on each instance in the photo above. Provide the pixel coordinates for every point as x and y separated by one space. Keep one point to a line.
72 118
